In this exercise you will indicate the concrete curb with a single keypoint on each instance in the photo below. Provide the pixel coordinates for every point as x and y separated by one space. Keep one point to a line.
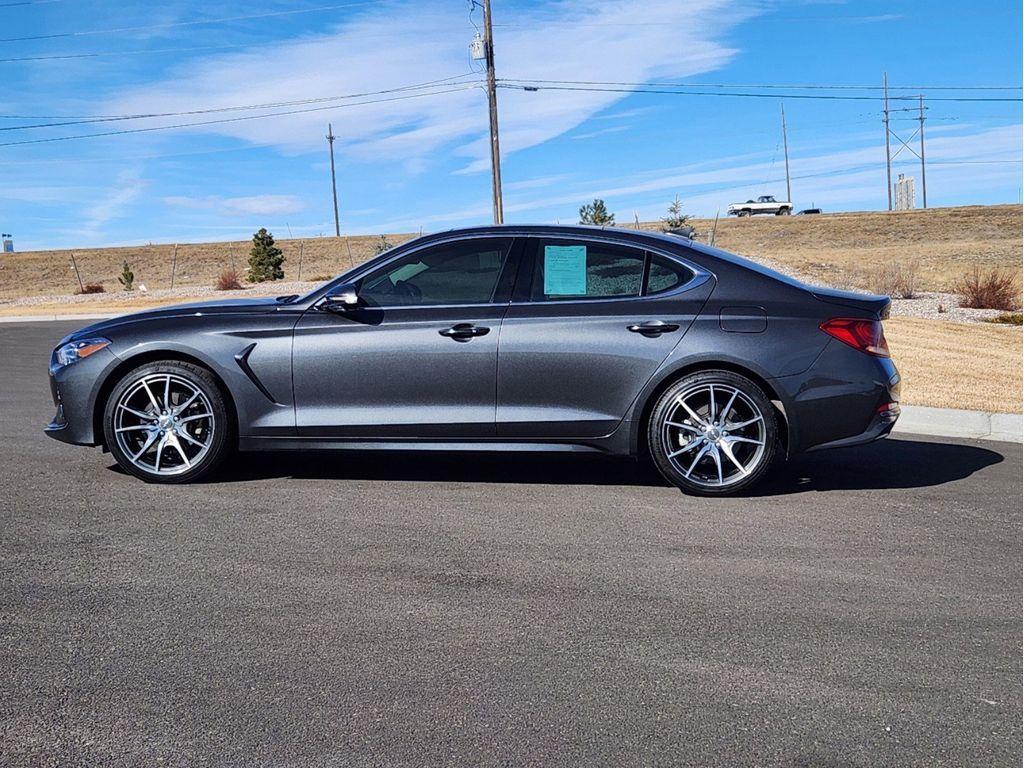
949 422
914 419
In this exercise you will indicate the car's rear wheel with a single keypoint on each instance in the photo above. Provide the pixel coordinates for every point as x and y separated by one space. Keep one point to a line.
166 422
713 433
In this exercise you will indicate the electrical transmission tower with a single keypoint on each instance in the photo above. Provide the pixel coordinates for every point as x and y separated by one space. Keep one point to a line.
903 143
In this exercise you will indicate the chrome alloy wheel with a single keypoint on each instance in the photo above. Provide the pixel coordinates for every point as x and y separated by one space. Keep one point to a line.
714 435
164 424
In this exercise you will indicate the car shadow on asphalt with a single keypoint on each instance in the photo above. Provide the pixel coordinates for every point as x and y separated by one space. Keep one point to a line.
887 464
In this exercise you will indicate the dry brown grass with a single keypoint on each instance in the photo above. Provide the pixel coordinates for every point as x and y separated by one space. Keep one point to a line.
951 365
42 273
848 249
837 249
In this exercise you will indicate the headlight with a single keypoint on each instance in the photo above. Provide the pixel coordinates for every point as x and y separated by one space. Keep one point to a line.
74 351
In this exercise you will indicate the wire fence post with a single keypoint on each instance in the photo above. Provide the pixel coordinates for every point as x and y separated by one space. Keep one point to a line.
174 264
300 262
74 264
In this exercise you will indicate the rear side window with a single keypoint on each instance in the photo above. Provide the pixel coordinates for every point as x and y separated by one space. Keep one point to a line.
664 275
564 270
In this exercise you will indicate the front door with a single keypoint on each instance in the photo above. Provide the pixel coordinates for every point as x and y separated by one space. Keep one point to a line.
418 357
589 324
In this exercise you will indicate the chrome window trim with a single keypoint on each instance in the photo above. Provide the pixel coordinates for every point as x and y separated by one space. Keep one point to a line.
700 275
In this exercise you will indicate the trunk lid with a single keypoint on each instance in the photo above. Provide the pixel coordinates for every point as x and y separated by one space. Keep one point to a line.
878 306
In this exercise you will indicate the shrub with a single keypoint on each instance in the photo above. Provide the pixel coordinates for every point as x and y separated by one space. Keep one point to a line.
92 288
265 258
127 278
381 245
228 280
596 213
994 289
676 219
1006 318
897 279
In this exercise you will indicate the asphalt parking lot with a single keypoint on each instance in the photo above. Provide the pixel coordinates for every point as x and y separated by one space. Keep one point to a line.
863 610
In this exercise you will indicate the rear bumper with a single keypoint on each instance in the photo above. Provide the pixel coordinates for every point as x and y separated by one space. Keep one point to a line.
846 398
880 427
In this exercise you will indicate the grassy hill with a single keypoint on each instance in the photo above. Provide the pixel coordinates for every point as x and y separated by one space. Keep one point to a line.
843 249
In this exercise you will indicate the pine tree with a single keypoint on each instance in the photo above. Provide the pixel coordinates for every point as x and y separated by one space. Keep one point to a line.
676 219
265 258
596 213
127 277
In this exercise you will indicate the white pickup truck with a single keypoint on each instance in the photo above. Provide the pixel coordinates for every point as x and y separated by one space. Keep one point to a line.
763 204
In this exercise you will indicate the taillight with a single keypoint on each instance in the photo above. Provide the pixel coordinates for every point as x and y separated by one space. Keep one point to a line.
865 335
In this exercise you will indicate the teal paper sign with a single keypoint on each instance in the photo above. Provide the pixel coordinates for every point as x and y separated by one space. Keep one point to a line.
565 270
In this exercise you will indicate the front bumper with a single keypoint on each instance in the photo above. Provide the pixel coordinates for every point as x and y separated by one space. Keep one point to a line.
75 389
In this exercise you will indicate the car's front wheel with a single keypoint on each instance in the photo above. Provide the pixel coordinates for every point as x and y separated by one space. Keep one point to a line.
713 433
166 422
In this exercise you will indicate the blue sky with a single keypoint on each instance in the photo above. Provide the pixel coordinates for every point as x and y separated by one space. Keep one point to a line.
418 159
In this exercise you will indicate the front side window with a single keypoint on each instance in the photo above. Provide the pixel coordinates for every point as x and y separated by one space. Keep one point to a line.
453 273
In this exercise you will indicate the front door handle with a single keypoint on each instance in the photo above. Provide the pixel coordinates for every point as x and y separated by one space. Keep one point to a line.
653 328
464 331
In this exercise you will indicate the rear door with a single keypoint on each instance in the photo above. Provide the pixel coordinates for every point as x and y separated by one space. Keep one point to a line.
589 324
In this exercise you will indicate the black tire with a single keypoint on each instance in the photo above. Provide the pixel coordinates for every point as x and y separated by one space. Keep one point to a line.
750 403
744 212
216 432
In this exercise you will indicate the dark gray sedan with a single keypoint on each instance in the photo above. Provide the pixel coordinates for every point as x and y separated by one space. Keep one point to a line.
508 338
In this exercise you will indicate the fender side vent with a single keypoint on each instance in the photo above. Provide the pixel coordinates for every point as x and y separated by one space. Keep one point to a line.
242 358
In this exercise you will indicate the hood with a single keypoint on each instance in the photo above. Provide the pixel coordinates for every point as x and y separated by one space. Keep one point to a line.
215 307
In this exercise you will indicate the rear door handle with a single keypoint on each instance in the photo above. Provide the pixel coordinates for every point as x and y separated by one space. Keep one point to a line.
653 328
464 331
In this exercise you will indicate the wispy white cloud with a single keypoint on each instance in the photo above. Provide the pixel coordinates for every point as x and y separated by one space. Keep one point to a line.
601 132
962 165
573 39
255 205
115 202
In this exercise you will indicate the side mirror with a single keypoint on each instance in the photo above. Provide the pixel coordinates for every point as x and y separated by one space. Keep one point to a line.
342 298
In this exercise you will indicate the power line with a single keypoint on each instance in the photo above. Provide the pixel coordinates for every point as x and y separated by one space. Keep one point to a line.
197 22
236 119
98 54
668 89
88 119
793 86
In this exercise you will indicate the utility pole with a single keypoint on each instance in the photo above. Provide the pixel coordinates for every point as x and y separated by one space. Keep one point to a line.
785 150
888 156
492 105
334 183
924 184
